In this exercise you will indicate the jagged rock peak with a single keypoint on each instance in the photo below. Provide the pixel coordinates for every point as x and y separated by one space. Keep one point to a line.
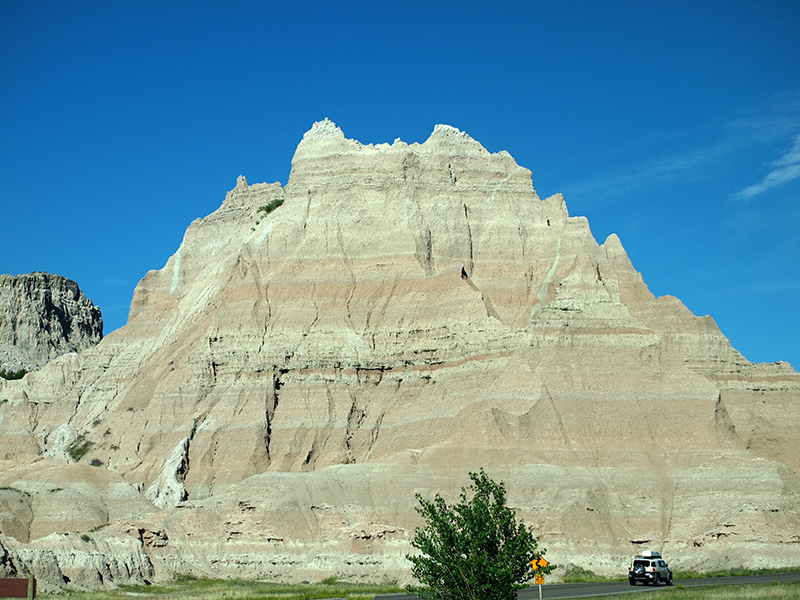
326 141
448 135
323 129
448 131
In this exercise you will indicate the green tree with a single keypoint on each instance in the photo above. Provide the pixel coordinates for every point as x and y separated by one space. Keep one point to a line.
12 374
473 550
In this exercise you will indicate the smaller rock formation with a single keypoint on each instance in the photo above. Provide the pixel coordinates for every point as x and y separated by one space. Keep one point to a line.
43 316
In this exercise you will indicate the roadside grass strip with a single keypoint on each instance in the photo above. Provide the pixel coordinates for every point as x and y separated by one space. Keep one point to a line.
761 591
193 588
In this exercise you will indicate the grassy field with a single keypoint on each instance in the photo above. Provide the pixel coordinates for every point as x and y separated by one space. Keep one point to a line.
190 588
764 591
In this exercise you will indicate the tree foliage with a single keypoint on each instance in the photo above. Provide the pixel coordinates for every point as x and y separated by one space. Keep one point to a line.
12 374
472 550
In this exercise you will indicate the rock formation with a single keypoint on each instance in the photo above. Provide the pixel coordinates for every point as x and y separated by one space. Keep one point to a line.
43 316
408 313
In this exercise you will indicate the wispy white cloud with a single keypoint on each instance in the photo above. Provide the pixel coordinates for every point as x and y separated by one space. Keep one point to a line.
784 170
655 171
767 123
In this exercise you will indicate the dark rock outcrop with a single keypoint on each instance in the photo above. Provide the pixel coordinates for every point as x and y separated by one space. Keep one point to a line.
43 316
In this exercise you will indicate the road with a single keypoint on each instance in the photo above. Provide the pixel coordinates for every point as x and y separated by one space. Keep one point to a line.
589 590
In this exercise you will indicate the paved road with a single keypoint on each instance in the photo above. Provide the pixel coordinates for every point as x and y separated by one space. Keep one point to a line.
588 590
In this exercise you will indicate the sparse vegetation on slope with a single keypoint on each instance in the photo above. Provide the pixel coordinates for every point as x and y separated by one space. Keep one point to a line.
270 206
577 574
79 448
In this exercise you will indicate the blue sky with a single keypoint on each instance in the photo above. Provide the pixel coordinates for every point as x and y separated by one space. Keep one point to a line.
674 124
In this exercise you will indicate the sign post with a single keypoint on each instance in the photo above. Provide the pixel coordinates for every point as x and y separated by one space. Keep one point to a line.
537 564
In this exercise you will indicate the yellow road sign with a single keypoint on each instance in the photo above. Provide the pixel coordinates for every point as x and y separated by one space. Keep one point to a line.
538 579
539 563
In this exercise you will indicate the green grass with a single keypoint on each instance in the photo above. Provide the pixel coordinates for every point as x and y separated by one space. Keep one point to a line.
764 591
738 572
192 588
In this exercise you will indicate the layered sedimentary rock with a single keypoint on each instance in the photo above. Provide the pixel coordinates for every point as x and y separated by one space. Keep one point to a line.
290 379
43 316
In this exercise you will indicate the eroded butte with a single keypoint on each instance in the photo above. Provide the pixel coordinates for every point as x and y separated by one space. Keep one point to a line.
290 379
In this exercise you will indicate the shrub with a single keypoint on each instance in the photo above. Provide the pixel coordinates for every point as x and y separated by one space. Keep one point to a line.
473 549
79 448
270 206
577 574
13 374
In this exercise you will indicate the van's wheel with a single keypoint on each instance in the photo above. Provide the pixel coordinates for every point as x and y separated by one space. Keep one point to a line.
657 580
669 580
